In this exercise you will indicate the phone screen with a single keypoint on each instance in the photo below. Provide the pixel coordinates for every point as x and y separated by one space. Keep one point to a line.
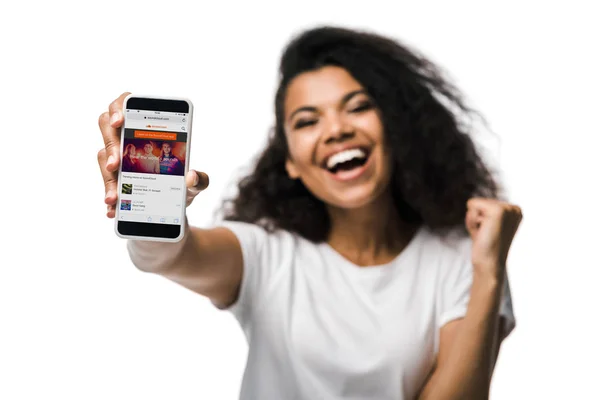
155 146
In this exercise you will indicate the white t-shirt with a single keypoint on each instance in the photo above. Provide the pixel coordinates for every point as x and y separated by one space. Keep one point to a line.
321 327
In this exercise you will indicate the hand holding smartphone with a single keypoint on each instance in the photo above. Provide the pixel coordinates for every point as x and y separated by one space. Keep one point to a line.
154 146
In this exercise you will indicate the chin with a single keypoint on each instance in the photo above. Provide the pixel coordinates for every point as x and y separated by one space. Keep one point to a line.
354 198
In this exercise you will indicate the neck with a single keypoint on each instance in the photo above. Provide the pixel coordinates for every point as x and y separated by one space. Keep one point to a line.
371 235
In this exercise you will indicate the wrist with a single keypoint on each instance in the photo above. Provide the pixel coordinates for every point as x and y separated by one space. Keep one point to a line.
156 256
491 278
487 282
486 293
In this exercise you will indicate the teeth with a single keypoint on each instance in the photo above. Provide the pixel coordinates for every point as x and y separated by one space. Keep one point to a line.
344 156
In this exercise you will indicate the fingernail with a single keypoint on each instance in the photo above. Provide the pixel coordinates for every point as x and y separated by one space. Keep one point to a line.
115 117
111 159
108 194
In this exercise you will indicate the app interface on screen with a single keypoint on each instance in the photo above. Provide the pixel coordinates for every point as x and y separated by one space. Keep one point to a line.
153 167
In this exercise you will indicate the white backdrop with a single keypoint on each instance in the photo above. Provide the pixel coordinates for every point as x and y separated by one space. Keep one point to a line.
78 321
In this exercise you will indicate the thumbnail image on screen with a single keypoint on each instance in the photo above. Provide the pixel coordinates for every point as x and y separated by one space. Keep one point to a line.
153 157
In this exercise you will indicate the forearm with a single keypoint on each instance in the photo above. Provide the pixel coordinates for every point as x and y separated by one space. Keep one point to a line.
157 257
467 370
208 262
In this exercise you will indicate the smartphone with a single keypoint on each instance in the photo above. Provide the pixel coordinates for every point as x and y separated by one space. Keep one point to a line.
155 155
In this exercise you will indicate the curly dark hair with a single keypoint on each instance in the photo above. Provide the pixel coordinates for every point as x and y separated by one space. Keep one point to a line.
436 167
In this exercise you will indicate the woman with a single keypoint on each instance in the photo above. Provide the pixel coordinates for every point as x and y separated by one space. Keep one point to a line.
169 163
364 256
130 159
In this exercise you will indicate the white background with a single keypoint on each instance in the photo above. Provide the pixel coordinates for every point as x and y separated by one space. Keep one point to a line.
78 321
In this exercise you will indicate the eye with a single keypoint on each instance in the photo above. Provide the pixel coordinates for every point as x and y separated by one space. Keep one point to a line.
303 123
363 106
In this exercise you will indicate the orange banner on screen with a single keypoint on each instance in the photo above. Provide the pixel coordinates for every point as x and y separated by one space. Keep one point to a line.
154 135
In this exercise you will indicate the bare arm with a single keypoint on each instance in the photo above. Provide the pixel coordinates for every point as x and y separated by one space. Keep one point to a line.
206 261
468 347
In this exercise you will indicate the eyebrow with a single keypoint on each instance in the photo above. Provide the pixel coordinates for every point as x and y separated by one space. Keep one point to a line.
345 99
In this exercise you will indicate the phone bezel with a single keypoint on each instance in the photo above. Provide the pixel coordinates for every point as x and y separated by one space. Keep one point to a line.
148 230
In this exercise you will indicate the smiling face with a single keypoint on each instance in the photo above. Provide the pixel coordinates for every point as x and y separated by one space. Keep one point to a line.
166 148
335 138
130 150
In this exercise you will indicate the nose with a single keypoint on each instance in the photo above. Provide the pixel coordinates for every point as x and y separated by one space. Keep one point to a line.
337 129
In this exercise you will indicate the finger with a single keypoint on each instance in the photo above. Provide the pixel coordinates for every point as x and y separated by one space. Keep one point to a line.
112 142
480 203
111 211
487 207
517 211
110 179
474 208
115 109
516 218
109 123
196 181
473 221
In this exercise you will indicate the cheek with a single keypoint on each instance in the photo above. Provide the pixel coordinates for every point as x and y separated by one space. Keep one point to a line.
372 123
301 149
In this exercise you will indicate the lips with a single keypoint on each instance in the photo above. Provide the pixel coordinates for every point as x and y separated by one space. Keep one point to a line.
350 174
345 154
348 163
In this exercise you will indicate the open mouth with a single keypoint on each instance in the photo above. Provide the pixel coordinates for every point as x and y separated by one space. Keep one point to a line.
347 160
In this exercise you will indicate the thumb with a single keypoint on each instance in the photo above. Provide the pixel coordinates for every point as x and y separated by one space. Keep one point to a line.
196 181
472 221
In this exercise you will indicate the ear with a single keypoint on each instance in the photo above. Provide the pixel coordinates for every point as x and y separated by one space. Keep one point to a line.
291 169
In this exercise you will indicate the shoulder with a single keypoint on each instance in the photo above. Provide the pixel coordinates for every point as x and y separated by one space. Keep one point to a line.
268 255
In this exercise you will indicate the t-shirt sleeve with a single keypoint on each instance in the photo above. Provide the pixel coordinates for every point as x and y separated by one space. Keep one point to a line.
260 251
455 291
